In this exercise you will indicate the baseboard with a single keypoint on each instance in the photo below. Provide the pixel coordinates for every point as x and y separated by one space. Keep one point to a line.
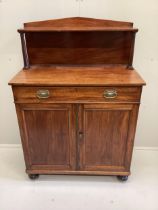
19 146
7 146
146 148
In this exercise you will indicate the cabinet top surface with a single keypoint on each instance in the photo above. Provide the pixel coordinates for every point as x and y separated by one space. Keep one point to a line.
77 76
77 24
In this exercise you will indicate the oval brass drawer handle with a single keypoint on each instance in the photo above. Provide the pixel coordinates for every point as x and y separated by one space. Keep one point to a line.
41 94
110 94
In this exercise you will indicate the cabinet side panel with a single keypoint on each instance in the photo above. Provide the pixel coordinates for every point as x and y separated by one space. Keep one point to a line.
131 135
24 141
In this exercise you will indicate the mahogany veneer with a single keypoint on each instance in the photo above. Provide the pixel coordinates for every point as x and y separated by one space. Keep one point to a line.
78 96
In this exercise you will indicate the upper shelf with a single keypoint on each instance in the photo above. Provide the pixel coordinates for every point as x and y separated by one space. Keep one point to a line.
78 41
77 24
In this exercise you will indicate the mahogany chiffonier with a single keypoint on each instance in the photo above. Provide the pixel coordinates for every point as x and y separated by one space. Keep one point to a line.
77 97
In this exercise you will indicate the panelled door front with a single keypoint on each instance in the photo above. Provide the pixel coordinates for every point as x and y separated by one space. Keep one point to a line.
49 135
104 136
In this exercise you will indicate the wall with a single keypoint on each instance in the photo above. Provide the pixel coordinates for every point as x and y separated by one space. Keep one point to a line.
143 14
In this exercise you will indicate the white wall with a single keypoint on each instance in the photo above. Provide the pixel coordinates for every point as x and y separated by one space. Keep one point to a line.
143 13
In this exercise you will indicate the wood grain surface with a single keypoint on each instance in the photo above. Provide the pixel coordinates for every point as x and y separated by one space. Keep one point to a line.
105 129
79 47
49 135
77 94
78 23
78 76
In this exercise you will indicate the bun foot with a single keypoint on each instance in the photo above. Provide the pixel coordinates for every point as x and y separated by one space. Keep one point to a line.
122 178
33 176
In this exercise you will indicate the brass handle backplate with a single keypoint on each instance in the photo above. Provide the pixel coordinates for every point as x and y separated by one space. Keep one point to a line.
41 94
110 94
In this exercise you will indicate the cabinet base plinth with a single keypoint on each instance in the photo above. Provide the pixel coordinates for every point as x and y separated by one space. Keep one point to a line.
66 172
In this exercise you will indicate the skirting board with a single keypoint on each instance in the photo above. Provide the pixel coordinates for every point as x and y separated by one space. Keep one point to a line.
18 146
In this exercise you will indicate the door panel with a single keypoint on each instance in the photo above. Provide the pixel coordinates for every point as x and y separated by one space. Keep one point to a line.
105 133
50 135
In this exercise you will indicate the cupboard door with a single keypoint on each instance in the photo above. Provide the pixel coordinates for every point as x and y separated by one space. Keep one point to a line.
48 135
106 134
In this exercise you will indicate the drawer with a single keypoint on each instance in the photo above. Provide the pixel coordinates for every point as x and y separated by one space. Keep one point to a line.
76 94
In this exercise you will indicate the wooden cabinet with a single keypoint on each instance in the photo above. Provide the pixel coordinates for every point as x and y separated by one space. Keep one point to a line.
78 96
90 138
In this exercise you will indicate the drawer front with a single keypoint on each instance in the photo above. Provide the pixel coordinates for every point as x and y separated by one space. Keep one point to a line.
76 94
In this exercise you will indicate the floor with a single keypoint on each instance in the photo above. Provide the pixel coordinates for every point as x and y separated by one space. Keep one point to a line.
17 192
